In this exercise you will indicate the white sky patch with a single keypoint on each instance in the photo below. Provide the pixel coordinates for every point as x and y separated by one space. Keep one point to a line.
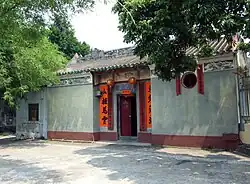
99 27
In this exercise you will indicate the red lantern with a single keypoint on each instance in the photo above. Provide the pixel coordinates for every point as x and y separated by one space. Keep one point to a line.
132 81
110 83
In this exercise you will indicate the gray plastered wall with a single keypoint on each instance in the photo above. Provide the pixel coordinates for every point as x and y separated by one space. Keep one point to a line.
70 108
191 113
66 107
32 129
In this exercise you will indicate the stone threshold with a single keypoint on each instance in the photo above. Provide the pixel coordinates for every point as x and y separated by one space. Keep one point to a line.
124 143
119 142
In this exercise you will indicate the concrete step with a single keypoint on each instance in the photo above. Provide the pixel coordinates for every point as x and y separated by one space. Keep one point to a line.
244 149
124 143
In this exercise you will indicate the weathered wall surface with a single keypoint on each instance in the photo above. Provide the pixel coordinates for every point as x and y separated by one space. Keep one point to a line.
96 111
245 135
191 113
63 109
7 117
70 108
32 129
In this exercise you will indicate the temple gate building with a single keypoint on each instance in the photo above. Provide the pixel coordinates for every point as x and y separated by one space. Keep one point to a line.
114 95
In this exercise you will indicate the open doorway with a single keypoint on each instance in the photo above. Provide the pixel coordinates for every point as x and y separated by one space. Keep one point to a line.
128 116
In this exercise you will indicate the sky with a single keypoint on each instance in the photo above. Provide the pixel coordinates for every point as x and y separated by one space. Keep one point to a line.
98 28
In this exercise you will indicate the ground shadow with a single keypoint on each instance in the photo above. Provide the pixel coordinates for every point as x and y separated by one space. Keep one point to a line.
22 144
18 171
146 165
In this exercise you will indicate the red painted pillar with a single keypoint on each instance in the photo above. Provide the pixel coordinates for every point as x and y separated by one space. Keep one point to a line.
178 85
200 78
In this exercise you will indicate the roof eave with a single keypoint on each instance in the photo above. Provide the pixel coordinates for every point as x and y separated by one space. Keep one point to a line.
114 67
219 57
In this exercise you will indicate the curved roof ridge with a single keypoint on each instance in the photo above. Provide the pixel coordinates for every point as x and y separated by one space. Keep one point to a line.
97 54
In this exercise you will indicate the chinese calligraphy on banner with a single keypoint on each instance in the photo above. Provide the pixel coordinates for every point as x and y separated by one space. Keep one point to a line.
104 106
110 110
148 104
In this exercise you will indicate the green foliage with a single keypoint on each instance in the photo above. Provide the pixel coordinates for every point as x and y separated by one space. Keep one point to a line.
62 34
29 68
28 60
151 23
244 47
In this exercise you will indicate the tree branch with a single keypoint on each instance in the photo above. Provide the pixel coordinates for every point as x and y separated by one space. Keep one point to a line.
127 12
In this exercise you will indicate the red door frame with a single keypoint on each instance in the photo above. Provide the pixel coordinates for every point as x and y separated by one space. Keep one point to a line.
125 116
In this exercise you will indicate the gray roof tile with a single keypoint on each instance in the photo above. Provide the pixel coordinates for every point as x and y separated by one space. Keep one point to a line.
219 47
124 58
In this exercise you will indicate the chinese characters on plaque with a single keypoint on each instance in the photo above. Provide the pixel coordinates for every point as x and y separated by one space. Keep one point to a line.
148 104
104 106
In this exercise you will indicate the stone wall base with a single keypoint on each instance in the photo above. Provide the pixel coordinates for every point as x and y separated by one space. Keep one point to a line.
227 141
144 137
86 136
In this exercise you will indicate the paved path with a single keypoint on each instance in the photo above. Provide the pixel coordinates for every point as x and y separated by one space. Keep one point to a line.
35 162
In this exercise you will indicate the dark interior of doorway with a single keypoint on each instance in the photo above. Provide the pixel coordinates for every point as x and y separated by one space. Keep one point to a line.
133 117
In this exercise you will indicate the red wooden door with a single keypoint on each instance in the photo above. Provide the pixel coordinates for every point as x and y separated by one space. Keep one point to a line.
125 115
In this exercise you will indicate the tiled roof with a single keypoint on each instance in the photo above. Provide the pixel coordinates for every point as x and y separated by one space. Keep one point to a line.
219 47
124 58
103 64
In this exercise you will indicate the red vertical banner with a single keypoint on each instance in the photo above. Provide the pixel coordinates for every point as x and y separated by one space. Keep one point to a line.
110 111
178 85
104 106
200 78
142 106
148 104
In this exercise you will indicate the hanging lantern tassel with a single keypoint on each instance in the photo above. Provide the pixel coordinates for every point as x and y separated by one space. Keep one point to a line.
110 84
132 81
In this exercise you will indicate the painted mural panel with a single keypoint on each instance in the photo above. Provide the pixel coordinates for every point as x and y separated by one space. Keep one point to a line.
122 75
106 76
148 104
125 88
144 74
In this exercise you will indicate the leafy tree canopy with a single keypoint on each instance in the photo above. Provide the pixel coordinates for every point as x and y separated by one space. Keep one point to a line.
62 34
28 60
163 29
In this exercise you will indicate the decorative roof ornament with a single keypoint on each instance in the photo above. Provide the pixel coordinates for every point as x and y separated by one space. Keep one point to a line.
235 42
76 56
74 60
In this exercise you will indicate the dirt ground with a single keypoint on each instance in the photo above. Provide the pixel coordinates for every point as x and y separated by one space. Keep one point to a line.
53 162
